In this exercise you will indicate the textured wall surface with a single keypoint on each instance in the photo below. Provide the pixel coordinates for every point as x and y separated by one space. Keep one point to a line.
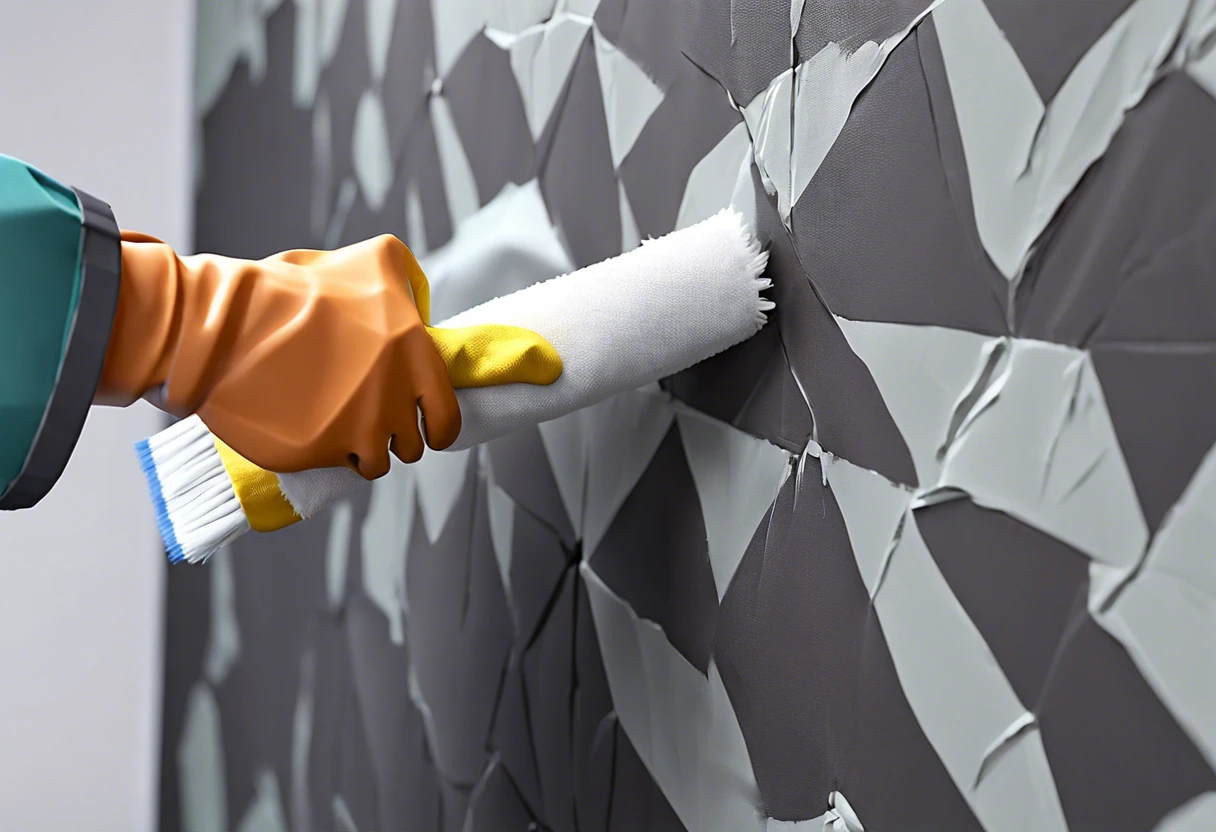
934 551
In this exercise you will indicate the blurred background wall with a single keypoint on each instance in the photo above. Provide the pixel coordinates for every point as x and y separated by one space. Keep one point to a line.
98 95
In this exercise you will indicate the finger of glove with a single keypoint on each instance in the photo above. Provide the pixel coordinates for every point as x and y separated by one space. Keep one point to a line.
436 398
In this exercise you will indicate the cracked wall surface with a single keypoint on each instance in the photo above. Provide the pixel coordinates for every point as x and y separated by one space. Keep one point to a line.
936 550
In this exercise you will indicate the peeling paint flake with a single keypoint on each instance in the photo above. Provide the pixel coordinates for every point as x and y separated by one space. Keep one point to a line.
795 122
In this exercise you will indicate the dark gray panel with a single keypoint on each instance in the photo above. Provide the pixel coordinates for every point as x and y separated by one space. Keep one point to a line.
356 774
594 723
257 159
396 736
851 417
511 735
343 81
776 410
722 385
549 680
1162 402
850 23
279 583
408 73
1017 584
187 627
1137 210
693 118
655 554
497 805
649 33
637 803
460 631
577 179
538 562
521 468
1170 297
332 689
743 54
808 671
455 806
788 641
1119 760
1050 36
489 115
877 229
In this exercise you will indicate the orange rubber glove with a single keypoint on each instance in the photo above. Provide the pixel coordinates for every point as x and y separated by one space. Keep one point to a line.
306 359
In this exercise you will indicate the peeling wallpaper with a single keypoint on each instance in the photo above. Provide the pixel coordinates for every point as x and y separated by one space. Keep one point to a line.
936 550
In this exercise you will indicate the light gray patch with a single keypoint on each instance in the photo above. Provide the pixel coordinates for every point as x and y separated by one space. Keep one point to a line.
224 642
227 32
380 16
347 193
301 746
713 183
385 538
373 160
542 59
630 96
737 479
265 814
1039 444
459 183
506 246
1196 815
322 167
200 765
922 372
680 722
337 552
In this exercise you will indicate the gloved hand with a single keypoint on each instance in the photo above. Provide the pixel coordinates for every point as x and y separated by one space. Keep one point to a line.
306 359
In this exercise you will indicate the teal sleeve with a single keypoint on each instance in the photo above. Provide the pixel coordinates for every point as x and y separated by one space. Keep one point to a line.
44 323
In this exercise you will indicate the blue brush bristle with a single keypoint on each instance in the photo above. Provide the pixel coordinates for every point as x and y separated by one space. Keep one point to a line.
172 548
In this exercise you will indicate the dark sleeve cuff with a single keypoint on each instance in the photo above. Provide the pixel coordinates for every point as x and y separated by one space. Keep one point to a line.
84 355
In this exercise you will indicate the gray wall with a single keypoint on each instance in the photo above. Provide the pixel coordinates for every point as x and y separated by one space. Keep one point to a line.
97 94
